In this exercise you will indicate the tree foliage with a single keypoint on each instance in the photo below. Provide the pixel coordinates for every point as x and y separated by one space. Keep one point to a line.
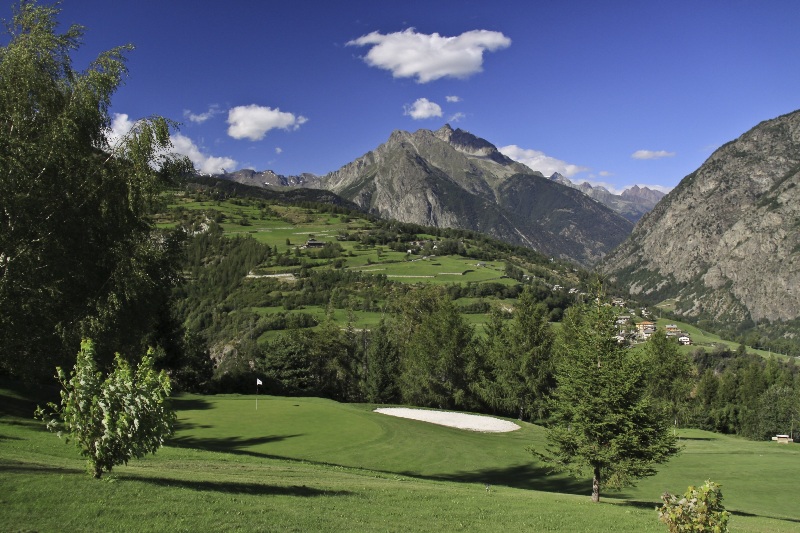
78 257
437 351
518 371
670 375
603 420
115 418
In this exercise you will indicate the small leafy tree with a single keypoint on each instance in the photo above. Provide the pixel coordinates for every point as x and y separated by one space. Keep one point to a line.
699 510
114 419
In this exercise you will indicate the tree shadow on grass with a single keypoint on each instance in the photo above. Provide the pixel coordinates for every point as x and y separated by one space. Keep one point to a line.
232 487
522 476
190 404
234 445
30 468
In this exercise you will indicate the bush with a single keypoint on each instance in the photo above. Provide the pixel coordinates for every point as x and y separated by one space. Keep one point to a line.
114 419
699 510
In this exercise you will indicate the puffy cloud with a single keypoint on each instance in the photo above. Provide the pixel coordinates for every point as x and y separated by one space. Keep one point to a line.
423 108
204 163
202 117
651 154
254 121
121 124
453 99
536 160
278 150
409 54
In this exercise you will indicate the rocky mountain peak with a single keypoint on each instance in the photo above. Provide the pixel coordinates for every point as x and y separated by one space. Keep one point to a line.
452 178
469 144
645 194
631 205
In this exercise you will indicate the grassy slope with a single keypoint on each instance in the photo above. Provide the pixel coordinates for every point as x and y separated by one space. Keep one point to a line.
306 464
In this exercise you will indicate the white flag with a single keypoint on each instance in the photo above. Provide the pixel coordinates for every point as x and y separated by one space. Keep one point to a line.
258 382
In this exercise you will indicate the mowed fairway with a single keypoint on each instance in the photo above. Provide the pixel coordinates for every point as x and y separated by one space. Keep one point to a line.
308 464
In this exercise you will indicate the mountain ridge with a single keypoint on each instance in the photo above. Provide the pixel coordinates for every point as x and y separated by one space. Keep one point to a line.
453 178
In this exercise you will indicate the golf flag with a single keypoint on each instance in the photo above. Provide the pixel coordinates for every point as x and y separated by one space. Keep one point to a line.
258 382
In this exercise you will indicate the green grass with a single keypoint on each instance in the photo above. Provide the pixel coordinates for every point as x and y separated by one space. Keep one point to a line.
308 464
297 225
704 339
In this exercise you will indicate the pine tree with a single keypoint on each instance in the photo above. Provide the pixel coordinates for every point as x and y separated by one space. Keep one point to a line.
603 421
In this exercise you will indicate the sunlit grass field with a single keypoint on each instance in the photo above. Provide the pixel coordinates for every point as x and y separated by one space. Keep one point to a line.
309 464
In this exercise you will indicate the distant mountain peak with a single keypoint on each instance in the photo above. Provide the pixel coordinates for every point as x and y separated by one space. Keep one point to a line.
632 204
452 178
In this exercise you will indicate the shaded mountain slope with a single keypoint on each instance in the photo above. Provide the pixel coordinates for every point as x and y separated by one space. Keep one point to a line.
726 241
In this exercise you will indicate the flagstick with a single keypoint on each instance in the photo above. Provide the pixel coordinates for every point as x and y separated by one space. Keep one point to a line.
256 396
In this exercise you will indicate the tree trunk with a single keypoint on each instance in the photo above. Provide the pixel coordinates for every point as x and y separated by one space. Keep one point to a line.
596 485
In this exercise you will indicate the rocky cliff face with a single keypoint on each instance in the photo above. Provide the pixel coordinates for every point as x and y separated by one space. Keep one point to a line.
726 241
450 178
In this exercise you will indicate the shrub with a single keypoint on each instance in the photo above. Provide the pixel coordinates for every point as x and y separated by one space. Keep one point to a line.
699 510
114 419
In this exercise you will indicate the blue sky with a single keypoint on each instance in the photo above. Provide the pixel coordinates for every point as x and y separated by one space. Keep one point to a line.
612 92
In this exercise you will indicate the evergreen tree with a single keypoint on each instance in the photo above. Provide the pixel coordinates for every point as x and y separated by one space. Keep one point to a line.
518 375
603 420
382 363
438 354
670 375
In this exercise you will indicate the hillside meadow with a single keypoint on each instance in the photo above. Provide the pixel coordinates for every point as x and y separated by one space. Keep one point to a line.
310 464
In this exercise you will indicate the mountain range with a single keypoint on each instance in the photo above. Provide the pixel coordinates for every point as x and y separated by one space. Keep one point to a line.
632 203
725 243
451 178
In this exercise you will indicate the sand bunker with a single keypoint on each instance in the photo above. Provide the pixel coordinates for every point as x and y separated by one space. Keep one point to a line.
485 424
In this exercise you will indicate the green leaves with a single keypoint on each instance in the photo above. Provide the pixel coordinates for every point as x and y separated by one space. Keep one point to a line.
111 419
77 255
699 510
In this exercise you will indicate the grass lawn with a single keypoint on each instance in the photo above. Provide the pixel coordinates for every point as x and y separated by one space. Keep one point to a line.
309 464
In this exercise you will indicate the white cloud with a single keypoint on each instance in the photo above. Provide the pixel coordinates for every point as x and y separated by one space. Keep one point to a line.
423 108
536 160
121 124
254 121
278 150
456 117
204 163
199 118
651 154
409 54
453 99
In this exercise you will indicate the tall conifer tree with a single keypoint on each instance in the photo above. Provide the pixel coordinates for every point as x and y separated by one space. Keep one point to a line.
603 421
